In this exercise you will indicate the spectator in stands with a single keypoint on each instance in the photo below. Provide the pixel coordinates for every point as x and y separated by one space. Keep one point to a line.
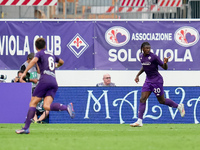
34 71
106 81
16 79
41 114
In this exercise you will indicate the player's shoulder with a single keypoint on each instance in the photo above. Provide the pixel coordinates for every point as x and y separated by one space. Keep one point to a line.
100 84
48 53
44 53
112 84
153 55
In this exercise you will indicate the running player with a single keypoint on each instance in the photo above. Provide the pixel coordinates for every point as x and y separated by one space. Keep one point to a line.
153 82
47 86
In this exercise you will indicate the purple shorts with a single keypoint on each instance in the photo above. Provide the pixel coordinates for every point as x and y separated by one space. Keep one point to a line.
156 88
46 89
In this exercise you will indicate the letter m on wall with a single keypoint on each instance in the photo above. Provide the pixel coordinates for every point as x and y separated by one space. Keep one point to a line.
97 104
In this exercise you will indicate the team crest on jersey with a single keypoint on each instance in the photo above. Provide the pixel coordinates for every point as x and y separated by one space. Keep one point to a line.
149 57
77 45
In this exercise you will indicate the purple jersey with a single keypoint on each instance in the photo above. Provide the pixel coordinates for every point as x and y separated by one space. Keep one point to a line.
46 63
150 64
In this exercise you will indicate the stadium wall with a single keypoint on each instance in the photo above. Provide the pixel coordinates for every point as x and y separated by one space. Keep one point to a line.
14 102
102 104
120 105
119 77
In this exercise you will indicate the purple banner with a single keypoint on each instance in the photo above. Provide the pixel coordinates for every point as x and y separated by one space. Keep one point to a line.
101 45
14 102
118 43
70 40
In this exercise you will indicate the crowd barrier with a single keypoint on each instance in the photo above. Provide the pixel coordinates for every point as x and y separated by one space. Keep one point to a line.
14 102
118 105
109 105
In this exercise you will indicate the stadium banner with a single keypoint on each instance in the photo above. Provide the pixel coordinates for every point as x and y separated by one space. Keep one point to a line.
119 105
102 45
117 44
14 102
70 40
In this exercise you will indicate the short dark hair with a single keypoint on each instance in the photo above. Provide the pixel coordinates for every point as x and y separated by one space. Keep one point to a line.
20 71
144 44
40 43
30 56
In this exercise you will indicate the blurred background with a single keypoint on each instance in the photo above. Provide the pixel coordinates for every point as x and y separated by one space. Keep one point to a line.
100 9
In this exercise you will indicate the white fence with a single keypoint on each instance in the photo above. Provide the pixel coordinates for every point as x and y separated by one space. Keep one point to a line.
107 9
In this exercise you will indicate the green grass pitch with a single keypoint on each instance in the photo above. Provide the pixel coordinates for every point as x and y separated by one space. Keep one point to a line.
101 137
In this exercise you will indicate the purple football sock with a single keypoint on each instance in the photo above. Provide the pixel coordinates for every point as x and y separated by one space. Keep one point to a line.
142 107
170 103
30 115
58 107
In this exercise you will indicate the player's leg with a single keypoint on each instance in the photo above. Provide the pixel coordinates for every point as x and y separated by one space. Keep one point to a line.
31 112
167 101
171 103
142 106
159 92
48 105
146 91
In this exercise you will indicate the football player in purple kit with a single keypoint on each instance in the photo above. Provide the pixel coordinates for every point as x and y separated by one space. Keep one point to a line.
153 82
47 85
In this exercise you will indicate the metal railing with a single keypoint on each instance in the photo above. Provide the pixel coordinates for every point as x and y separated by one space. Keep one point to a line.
104 9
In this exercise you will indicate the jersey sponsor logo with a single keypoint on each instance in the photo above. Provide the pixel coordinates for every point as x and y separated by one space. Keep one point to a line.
77 45
186 36
146 63
117 36
49 73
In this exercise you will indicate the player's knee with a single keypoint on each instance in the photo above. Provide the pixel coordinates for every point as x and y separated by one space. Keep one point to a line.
143 99
161 102
32 104
46 107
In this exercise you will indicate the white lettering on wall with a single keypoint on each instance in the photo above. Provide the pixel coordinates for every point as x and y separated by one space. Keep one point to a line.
125 99
129 55
177 91
10 45
97 104
189 104
152 36
18 45
132 102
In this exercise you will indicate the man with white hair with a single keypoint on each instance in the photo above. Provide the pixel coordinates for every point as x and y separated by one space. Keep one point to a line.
106 81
